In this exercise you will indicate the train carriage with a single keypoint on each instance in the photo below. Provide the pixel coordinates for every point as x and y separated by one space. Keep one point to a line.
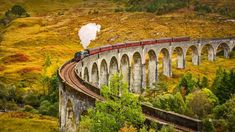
106 48
180 39
133 43
94 51
119 46
148 41
164 40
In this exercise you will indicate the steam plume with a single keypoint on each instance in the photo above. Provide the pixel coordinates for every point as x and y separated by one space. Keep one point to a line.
87 33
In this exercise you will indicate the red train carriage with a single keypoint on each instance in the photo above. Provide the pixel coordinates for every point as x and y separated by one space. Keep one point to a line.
148 42
94 51
106 48
180 39
133 43
119 46
164 40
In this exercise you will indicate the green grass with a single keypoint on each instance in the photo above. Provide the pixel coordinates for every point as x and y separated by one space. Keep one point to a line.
18 122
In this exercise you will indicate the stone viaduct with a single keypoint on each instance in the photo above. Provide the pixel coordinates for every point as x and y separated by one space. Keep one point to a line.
132 62
80 81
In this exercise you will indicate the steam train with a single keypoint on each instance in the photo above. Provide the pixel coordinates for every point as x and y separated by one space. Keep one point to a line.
80 55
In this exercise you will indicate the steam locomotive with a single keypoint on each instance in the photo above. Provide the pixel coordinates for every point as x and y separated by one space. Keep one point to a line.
82 54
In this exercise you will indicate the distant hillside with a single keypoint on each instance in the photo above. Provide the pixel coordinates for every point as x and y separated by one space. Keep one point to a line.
222 7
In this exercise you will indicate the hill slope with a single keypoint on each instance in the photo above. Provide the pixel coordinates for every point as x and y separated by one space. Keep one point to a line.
52 31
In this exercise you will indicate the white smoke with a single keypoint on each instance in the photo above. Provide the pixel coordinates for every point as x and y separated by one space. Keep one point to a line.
87 33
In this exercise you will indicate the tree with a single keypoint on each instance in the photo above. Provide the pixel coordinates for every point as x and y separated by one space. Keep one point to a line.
208 125
157 89
223 86
226 112
170 102
204 82
201 102
18 10
187 83
119 108
32 98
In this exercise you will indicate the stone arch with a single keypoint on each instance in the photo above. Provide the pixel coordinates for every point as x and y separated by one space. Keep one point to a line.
136 73
86 74
166 62
180 63
209 52
103 73
151 68
70 124
195 54
225 49
95 75
125 68
113 67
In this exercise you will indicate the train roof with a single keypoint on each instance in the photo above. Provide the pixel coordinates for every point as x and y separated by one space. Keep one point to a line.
146 40
181 37
118 44
107 45
129 42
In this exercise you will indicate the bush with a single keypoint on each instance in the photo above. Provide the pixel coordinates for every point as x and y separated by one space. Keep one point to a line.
170 102
226 112
54 110
202 8
18 10
118 9
187 83
201 102
223 85
32 99
15 12
3 104
27 108
11 106
44 107
151 8
166 128
208 125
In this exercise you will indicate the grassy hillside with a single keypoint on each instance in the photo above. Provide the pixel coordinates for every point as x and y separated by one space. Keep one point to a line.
16 122
52 31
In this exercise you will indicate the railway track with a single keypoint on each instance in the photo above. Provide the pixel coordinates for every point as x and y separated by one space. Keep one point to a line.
68 75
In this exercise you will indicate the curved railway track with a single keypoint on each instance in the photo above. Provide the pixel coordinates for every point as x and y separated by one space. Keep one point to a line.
68 75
